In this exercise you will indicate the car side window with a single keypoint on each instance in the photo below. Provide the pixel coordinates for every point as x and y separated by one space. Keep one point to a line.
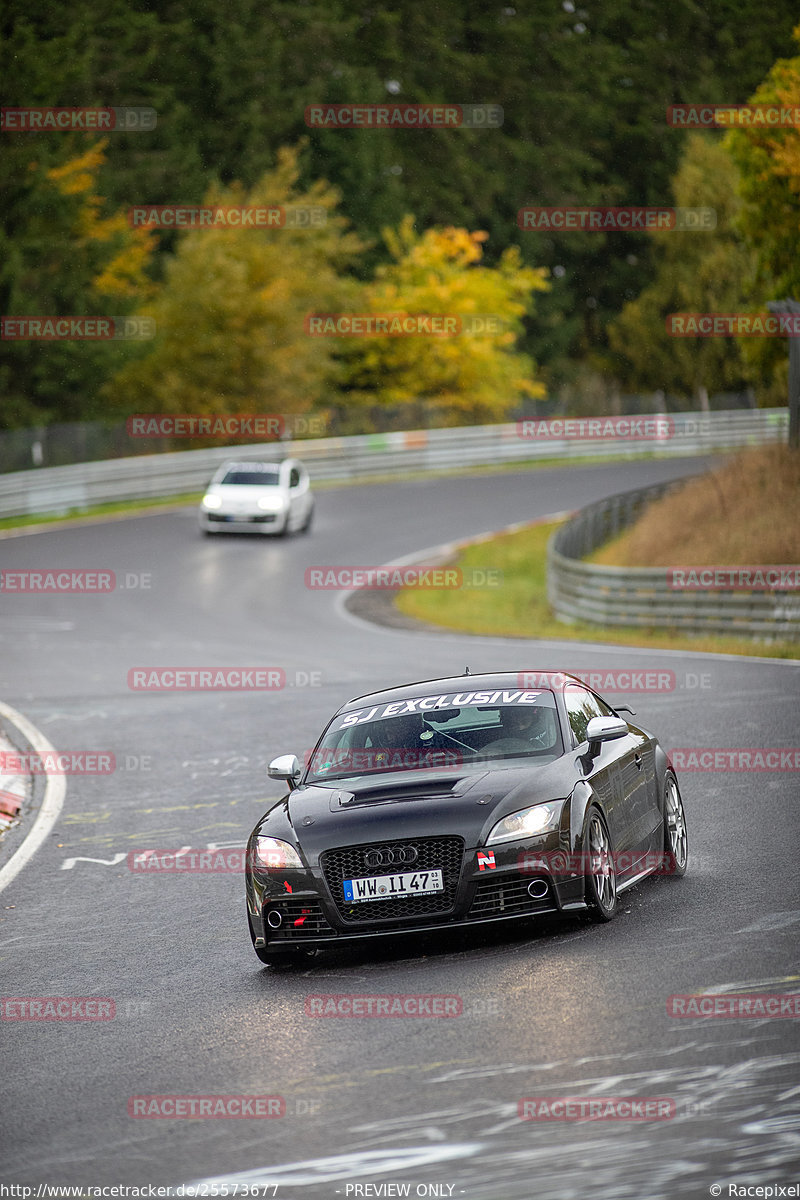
294 478
582 705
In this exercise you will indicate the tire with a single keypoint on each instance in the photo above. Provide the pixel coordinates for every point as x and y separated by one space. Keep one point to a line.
676 842
601 876
306 526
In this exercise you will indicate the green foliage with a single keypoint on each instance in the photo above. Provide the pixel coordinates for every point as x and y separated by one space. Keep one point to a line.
230 317
703 271
769 162
584 92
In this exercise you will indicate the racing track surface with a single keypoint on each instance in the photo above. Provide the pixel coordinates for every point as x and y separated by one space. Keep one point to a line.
565 1009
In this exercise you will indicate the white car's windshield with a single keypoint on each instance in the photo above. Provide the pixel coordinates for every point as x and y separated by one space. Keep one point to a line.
436 732
269 477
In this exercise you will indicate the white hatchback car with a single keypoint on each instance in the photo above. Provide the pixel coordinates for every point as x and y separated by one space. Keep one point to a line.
258 497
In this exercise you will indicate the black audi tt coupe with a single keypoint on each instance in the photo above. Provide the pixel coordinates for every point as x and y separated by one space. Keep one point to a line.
456 802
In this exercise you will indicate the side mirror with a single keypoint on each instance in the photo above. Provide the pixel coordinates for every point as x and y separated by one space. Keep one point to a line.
288 768
604 729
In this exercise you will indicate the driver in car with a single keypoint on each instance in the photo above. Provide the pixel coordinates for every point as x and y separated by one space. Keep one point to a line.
524 729
400 735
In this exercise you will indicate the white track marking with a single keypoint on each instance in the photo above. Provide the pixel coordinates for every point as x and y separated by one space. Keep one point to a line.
52 801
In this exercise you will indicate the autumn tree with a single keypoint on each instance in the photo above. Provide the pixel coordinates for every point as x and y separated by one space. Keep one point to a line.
698 271
468 378
230 315
768 157
72 257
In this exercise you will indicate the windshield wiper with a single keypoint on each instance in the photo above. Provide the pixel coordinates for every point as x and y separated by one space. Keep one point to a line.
442 733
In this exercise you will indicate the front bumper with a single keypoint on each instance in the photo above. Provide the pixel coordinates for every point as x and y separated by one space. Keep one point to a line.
298 909
255 522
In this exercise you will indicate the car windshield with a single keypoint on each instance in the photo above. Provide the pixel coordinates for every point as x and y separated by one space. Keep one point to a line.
264 477
434 732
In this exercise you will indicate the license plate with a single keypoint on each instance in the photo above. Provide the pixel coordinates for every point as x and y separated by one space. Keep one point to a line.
385 887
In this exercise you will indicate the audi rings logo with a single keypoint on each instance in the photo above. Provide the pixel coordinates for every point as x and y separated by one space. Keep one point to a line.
391 856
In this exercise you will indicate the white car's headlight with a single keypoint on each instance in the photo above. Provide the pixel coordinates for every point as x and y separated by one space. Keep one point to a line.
275 854
540 818
211 501
271 503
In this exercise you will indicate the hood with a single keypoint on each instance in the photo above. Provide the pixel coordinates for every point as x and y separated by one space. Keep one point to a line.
407 804
246 492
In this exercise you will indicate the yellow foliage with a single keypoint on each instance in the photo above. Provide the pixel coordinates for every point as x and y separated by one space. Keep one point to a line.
123 275
477 376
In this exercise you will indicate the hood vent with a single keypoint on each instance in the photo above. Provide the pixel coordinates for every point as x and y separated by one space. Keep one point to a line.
421 789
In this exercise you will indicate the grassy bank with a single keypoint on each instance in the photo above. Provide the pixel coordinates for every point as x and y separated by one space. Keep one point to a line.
116 508
519 607
744 513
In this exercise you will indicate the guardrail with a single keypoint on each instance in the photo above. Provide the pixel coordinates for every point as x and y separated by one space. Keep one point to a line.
57 490
643 597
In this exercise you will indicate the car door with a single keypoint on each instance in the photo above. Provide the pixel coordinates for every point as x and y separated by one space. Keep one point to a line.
648 815
299 494
295 498
614 774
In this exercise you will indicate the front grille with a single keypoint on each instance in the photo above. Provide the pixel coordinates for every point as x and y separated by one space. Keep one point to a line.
241 519
505 897
445 853
301 919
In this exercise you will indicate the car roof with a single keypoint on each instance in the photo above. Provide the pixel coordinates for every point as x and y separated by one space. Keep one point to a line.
527 680
253 465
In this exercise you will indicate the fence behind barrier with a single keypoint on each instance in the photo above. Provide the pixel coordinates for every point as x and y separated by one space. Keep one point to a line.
58 490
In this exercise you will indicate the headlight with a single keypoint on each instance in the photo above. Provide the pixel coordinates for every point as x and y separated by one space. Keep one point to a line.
541 818
275 854
271 503
211 501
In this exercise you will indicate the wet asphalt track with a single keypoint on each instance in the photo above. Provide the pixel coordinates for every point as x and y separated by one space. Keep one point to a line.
564 1009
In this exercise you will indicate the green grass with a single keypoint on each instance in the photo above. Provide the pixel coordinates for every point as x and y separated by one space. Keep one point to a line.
113 507
519 607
